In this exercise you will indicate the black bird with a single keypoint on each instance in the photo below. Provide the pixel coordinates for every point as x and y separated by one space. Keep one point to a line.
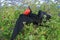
31 18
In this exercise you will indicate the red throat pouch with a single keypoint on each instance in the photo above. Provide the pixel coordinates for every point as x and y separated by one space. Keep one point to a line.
27 12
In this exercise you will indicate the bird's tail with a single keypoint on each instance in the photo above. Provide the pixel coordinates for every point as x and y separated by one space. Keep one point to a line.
18 28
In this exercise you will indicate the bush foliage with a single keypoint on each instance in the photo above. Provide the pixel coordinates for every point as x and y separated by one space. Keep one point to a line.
9 15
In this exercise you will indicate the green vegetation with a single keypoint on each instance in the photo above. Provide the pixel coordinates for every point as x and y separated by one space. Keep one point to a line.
9 15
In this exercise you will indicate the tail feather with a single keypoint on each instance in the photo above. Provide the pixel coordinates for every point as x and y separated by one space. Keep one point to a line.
18 28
